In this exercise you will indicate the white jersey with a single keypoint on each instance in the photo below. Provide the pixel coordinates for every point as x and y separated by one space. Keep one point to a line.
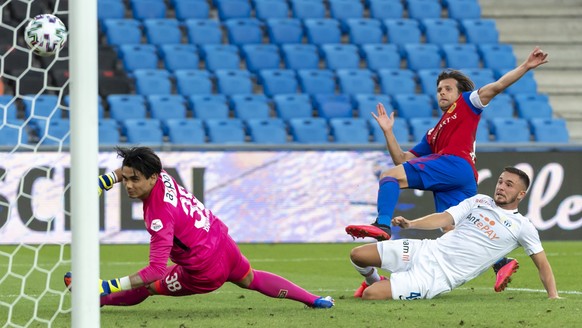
483 234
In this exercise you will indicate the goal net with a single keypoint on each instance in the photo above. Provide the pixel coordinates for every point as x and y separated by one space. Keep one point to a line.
35 173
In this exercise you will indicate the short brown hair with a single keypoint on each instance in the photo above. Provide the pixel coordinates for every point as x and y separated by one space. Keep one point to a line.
522 175
464 83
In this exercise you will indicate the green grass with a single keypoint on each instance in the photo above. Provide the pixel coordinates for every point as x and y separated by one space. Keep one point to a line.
321 268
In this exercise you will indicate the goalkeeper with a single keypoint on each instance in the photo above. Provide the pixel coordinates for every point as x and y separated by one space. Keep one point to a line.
187 233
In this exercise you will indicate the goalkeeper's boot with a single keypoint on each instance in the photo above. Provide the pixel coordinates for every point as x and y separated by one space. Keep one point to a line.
503 269
68 279
375 230
360 291
323 303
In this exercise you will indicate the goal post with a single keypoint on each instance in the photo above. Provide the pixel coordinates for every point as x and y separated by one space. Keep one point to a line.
84 162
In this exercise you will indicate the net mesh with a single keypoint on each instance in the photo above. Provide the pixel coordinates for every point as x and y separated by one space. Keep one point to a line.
34 139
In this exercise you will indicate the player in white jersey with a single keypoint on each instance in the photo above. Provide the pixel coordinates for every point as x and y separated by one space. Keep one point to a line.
486 229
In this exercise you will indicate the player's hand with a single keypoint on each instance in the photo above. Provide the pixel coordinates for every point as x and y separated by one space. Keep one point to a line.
401 222
386 122
536 58
106 182
107 287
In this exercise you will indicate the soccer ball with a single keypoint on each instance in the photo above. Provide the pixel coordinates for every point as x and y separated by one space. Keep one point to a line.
45 34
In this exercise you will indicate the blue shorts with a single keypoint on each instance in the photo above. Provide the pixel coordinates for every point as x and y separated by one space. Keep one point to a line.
449 177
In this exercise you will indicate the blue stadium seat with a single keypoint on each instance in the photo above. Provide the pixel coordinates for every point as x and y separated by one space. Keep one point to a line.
526 84
440 30
110 9
400 129
322 31
209 106
419 127
54 132
381 56
333 106
162 31
139 56
123 107
350 130
356 81
164 107
341 56
108 130
152 82
386 9
267 9
278 81
267 131
422 56
221 56
244 30
479 76
122 31
12 134
191 9
501 106
497 56
480 31
203 31
464 9
402 31
145 131
427 79
193 82
413 105
550 130
185 131
365 31
482 134
228 9
366 104
397 81
250 106
309 130
421 9
510 130
231 82
284 30
179 56
531 106
460 56
144 9
293 106
343 10
8 106
225 131
261 56
315 81
306 9
300 56
41 108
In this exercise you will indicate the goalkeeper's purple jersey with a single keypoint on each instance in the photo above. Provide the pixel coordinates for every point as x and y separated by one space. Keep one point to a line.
181 229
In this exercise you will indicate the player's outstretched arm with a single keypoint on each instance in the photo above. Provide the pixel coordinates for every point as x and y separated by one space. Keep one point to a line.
429 222
107 180
386 123
536 58
546 275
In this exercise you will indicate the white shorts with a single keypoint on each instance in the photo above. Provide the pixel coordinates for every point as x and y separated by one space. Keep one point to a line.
415 272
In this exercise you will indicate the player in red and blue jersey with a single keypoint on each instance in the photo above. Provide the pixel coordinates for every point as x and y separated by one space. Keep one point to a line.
444 161
191 236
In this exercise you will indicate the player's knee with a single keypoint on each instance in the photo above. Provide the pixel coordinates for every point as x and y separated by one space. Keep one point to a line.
377 292
357 256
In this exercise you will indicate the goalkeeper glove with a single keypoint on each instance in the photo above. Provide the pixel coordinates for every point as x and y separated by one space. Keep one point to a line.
106 181
109 286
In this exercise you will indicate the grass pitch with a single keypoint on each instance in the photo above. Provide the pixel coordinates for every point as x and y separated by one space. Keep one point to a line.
321 268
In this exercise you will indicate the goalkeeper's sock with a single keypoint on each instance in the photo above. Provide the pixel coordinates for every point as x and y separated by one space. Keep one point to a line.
275 286
126 297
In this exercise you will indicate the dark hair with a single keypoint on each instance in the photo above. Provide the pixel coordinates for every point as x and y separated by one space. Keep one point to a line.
464 83
142 159
522 175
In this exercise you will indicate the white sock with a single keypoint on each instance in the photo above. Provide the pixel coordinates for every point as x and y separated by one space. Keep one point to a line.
370 273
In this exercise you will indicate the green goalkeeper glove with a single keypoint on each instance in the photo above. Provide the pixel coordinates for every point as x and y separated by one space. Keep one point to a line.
106 181
109 286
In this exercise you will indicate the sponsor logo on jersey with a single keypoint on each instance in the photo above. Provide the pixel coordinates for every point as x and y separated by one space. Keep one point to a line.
484 224
156 225
282 293
170 194
405 251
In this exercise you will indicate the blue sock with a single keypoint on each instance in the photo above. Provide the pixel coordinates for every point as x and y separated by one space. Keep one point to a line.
388 194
